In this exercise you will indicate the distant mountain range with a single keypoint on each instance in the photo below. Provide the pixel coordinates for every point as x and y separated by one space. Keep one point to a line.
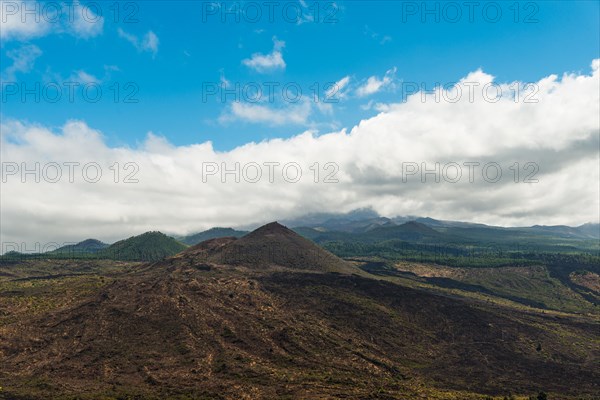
360 226
364 220
212 233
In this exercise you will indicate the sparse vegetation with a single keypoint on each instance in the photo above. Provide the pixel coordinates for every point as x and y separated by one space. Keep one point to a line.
226 319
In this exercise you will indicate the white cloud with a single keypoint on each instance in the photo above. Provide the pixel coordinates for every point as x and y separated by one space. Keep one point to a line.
12 26
108 70
375 84
297 113
225 83
76 19
129 37
559 133
307 14
367 106
381 39
264 63
148 43
85 23
23 61
83 77
372 105
338 90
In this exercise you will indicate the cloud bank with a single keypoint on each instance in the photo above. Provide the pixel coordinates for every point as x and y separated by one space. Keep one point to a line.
182 189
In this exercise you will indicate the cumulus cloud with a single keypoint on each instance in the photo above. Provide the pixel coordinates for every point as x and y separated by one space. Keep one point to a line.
176 193
264 63
26 20
148 43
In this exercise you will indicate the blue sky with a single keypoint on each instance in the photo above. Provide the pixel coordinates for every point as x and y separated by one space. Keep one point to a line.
168 89
192 50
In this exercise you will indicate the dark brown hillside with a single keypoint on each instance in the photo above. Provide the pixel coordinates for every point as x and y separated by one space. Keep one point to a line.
275 245
205 249
188 328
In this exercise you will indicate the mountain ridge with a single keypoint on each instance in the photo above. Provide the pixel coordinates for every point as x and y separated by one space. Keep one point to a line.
211 233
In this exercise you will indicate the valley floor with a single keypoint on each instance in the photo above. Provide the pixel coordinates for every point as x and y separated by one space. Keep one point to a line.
182 330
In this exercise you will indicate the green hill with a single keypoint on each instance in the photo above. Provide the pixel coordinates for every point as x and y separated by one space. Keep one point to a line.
149 246
84 247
